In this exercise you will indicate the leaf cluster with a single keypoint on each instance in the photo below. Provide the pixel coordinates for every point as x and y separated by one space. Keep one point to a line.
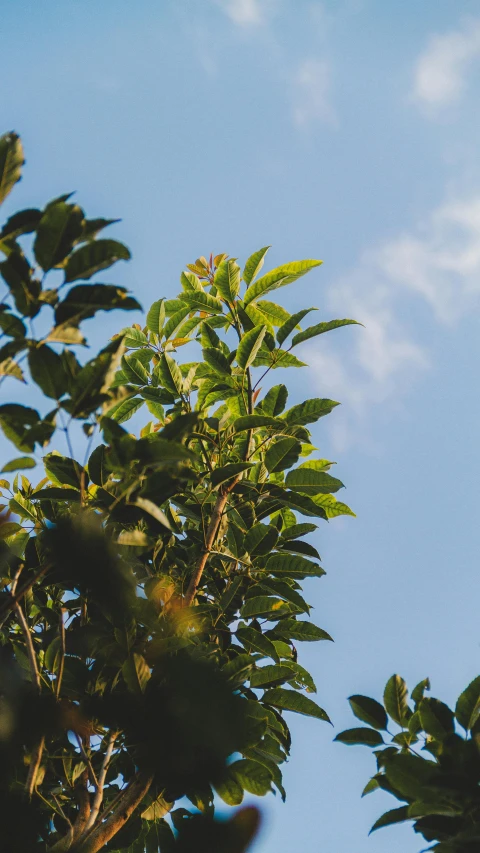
428 758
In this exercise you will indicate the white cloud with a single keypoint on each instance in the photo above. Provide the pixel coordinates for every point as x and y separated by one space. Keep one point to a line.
311 93
438 264
247 13
441 71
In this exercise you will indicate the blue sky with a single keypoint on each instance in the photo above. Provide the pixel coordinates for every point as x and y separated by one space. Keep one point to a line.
344 130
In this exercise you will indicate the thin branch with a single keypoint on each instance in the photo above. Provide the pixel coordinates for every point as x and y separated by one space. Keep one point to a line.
36 756
62 654
86 760
13 601
98 798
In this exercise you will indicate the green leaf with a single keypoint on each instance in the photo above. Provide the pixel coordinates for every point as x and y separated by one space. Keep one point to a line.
254 421
17 422
282 454
18 464
436 718
285 591
252 776
175 322
279 277
289 700
319 329
265 606
54 494
369 711
198 300
92 227
298 530
23 507
134 370
291 566
294 629
215 358
64 471
290 324
252 639
274 401
249 346
11 162
391 817
309 411
153 510
360 737
228 472
227 280
419 690
12 326
260 539
125 410
229 788
467 709
136 673
23 222
84 300
48 371
311 482
269 676
93 257
156 317
254 265
267 311
170 374
395 699
332 507
157 809
60 226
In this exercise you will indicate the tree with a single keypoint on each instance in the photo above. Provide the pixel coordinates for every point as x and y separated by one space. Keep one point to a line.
152 597
439 791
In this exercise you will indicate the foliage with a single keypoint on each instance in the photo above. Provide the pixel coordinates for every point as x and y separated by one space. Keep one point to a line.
440 790
152 596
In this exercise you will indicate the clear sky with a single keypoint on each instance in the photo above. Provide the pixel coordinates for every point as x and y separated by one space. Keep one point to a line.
347 130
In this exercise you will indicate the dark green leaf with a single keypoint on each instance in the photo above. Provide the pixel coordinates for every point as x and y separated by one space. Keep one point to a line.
48 371
254 421
84 300
228 472
436 718
282 454
369 711
360 737
274 401
309 411
252 776
252 639
249 346
59 228
467 709
260 539
269 676
215 359
156 317
419 690
319 329
12 325
395 699
93 257
198 300
289 565
54 494
64 471
311 482
294 629
290 324
393 816
264 606
23 222
289 700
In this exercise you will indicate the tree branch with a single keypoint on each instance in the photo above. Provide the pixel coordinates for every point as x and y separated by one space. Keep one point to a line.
131 799
98 798
36 756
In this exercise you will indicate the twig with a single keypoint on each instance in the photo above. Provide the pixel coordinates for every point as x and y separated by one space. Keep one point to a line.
86 760
36 757
62 657
128 802
98 798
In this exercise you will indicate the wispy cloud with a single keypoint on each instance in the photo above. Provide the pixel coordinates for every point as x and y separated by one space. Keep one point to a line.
247 13
441 71
311 93
437 263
